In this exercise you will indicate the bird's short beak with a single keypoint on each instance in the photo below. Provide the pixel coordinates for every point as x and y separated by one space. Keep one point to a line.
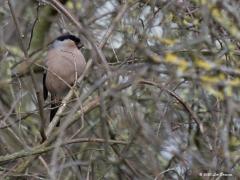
80 45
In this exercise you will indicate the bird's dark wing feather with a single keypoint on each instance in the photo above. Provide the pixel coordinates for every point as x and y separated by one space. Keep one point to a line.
54 109
45 91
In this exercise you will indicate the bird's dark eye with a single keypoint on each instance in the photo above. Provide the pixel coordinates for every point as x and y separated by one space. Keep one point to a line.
75 39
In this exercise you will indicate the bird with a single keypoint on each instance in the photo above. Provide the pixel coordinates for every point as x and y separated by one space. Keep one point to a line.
64 64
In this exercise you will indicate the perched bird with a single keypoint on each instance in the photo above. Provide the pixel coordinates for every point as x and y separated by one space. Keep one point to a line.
65 63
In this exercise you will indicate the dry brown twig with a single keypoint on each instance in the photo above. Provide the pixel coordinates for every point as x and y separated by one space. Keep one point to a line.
38 93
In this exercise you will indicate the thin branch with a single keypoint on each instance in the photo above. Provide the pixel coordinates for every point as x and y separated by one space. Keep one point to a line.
33 26
114 23
180 100
39 95
40 150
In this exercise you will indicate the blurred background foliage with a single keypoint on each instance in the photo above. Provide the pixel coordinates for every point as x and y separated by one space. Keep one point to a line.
167 108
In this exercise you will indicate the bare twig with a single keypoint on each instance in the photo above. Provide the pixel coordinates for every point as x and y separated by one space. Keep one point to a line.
114 23
40 149
39 95
180 100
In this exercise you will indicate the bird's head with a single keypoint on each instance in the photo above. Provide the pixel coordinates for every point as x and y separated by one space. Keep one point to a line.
67 40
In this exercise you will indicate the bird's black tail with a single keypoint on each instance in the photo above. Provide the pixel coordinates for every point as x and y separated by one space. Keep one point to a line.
54 108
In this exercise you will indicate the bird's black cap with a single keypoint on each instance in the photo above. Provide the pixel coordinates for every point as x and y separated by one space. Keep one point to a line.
69 36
